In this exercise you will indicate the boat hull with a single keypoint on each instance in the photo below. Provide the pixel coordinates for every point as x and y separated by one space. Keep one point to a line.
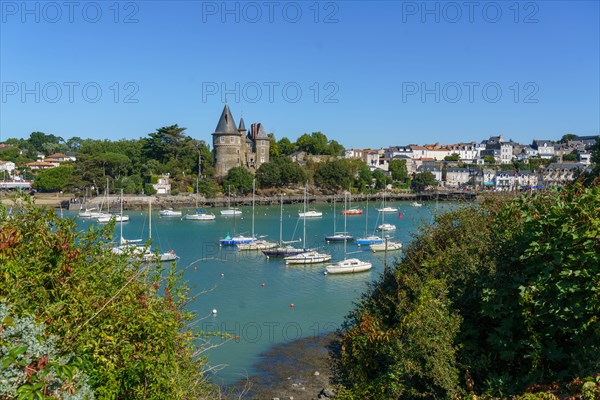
308 258
283 252
391 246
200 217
339 238
349 266
369 240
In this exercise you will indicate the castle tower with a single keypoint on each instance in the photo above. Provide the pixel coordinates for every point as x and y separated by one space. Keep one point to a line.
262 144
227 144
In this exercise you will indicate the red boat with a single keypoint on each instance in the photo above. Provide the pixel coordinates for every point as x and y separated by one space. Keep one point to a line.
352 211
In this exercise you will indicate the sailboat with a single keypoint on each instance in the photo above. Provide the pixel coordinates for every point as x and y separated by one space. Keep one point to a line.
386 227
311 256
229 210
150 256
283 249
348 265
257 244
235 240
107 217
129 247
368 239
352 210
388 245
169 212
385 209
338 236
199 215
305 213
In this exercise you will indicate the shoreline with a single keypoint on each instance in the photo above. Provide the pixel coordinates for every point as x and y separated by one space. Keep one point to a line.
300 370
159 202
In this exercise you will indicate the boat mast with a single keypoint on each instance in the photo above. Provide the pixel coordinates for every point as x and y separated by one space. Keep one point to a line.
345 218
304 218
198 180
367 219
253 191
281 221
121 227
149 219
334 217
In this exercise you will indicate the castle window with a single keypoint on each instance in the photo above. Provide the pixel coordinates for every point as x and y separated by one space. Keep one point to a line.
222 139
262 159
231 139
262 150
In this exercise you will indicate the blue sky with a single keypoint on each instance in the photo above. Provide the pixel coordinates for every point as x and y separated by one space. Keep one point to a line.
368 74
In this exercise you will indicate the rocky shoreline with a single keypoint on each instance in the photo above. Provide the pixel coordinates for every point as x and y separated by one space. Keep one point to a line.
299 370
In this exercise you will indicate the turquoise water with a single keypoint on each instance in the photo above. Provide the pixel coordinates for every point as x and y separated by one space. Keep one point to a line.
231 282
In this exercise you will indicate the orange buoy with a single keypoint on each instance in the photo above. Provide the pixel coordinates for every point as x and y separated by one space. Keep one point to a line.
292 305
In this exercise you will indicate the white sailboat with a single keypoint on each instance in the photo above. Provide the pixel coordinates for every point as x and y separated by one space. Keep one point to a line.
283 249
348 265
150 256
385 209
129 247
386 227
230 211
257 244
309 257
368 239
338 236
388 245
199 215
107 217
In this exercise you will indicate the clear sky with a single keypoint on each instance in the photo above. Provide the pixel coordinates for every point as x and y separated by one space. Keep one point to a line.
368 74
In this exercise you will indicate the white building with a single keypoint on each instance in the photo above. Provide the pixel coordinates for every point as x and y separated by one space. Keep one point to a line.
545 148
456 177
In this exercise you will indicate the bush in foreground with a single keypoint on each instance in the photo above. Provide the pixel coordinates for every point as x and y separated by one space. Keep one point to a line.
493 300
126 322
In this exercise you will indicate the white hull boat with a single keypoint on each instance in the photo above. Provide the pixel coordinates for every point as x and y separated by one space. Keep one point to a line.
200 216
386 227
311 257
257 245
388 209
349 266
391 246
416 204
169 212
231 211
310 214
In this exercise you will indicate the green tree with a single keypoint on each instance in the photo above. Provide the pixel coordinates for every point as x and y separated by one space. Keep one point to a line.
452 157
398 170
567 137
125 321
381 179
333 175
423 180
595 158
37 140
489 159
286 146
274 149
239 179
570 157
54 179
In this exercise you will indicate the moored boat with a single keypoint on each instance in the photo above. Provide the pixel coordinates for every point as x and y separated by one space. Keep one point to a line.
169 212
389 246
310 257
348 266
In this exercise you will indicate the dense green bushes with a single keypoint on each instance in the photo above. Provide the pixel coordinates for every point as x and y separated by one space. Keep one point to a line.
125 322
492 300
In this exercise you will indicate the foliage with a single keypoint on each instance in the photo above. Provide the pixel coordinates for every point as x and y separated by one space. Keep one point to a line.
489 159
566 137
286 147
381 179
30 365
513 285
452 157
398 170
570 157
54 179
317 143
595 158
280 172
125 321
333 174
239 179
423 180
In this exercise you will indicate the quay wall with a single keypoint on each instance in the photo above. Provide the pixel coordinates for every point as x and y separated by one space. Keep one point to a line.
140 202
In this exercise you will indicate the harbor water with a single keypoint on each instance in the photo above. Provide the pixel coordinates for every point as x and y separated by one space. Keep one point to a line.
258 302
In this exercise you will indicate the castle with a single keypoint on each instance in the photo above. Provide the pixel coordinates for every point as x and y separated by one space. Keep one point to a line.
235 147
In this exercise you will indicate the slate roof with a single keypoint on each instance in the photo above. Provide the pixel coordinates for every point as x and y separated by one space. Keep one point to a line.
226 123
